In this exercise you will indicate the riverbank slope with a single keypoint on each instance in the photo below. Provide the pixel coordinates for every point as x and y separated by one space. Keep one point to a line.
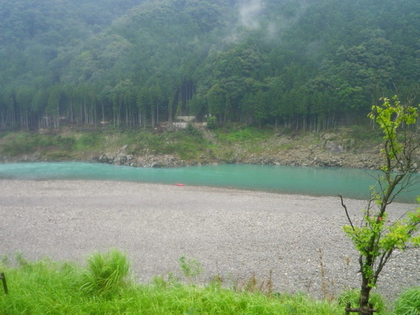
345 147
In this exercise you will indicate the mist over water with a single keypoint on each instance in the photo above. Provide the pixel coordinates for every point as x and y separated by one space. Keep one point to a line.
351 183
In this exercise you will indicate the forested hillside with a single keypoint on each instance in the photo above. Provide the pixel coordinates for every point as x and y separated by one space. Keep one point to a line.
304 64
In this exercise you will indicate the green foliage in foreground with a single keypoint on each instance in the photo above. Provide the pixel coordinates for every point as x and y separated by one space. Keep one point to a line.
103 286
378 237
408 303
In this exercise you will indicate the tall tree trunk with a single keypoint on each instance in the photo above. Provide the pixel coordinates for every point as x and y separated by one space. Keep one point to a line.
71 112
119 113
94 119
157 114
140 122
58 116
170 102
127 122
153 118
85 109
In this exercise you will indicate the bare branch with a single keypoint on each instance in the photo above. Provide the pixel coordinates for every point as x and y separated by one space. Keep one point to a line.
347 212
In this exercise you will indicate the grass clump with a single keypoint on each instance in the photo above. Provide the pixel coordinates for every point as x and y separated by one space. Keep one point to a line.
42 287
243 134
105 274
408 303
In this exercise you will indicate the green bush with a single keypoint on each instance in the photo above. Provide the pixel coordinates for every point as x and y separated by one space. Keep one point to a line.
212 123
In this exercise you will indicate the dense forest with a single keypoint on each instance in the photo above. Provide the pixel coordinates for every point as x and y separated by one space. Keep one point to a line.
303 64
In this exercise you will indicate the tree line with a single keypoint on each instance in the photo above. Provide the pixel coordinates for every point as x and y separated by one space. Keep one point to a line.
302 65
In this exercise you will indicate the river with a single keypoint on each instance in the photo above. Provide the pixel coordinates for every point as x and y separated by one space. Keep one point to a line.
351 183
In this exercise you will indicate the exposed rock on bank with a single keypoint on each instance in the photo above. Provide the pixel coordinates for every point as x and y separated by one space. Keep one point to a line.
141 161
121 157
325 152
322 150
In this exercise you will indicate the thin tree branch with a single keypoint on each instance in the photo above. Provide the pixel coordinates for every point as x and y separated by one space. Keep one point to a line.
347 212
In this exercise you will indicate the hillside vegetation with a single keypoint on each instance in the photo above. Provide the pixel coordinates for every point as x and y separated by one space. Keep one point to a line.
305 65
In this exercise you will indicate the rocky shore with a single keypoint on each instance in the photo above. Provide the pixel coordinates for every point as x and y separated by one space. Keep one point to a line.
325 153
296 241
298 157
319 150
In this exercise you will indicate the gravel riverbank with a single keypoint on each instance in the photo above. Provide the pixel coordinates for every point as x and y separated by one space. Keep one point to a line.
233 233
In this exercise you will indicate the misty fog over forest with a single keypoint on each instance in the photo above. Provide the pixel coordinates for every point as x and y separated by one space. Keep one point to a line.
302 64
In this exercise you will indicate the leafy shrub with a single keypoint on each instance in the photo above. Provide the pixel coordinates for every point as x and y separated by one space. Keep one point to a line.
190 130
190 267
212 123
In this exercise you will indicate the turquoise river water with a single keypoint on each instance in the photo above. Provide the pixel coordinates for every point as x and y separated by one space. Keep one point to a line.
351 183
